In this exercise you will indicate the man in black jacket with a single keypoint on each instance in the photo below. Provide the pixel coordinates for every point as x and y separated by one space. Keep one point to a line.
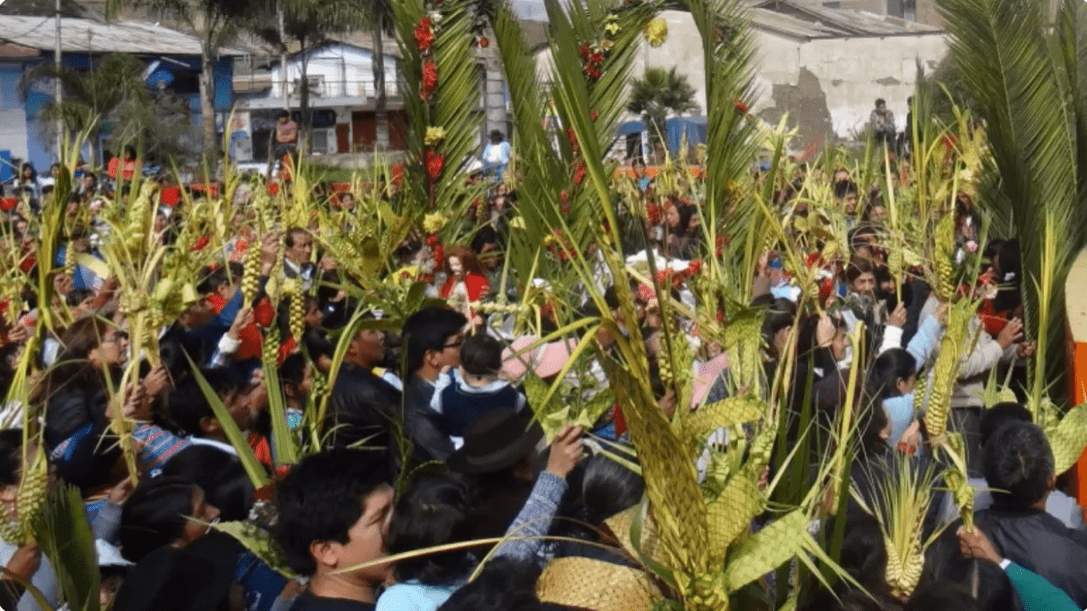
366 409
1018 464
433 337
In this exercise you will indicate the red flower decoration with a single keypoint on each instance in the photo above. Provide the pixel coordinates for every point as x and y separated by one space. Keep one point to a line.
484 43
430 79
653 211
584 50
593 72
594 116
434 164
424 37
476 203
579 174
200 243
597 57
741 106
433 241
439 256
693 267
572 137
565 197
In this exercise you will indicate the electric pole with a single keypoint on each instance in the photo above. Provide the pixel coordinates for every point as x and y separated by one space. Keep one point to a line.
58 92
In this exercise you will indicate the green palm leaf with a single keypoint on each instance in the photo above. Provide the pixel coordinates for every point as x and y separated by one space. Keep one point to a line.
1021 76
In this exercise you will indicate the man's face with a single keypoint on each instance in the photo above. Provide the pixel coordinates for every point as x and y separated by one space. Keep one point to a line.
369 347
881 108
449 355
366 539
198 314
301 248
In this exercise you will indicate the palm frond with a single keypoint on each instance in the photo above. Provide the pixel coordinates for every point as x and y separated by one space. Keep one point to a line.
1034 122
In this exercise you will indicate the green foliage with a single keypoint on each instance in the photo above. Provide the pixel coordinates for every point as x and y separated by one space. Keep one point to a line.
1027 79
65 538
112 98
658 94
258 541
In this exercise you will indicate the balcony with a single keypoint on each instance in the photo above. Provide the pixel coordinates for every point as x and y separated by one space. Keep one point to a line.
261 91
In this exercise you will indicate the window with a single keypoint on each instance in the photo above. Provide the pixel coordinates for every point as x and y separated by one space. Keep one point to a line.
10 75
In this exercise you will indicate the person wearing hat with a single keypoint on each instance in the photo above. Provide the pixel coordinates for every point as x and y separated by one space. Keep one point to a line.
499 456
496 156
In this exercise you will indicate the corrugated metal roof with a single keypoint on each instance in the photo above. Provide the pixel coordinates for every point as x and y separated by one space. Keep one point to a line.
780 23
810 19
89 36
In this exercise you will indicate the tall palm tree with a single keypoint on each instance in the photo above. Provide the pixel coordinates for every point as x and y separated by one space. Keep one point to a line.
658 94
309 23
214 22
1025 65
381 23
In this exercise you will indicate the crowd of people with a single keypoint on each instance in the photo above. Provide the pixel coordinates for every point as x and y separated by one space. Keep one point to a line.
428 438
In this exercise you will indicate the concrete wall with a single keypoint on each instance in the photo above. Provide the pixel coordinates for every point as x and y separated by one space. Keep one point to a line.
827 86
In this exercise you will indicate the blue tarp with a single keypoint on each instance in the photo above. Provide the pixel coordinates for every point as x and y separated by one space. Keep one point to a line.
675 129
630 127
693 128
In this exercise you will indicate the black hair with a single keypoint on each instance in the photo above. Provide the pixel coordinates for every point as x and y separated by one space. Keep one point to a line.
189 405
872 419
220 474
292 233
886 370
780 314
1018 465
211 279
941 596
155 515
880 101
843 188
434 510
608 488
998 415
864 554
322 498
984 581
293 369
858 266
77 296
429 329
481 355
503 584
11 456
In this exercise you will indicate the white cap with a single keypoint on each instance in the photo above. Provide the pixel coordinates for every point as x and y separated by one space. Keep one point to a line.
109 555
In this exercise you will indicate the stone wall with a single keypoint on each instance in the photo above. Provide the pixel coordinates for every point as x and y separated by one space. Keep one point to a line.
827 86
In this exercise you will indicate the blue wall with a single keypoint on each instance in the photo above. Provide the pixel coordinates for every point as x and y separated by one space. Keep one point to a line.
40 149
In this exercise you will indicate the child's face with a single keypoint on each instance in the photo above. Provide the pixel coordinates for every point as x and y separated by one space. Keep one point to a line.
366 539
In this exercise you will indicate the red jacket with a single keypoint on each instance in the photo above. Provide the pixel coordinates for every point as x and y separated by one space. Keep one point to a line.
473 282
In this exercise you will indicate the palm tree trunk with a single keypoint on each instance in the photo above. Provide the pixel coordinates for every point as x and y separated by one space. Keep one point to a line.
303 101
381 116
207 97
283 58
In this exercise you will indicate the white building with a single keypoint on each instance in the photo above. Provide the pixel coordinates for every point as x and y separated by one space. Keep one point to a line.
342 99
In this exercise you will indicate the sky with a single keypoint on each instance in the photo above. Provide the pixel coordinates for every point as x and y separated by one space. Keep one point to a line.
529 9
